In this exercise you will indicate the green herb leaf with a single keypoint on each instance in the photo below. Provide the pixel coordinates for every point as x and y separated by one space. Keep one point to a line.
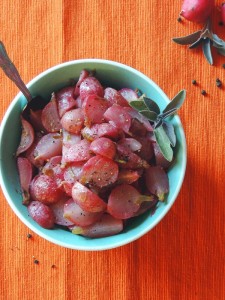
151 115
217 42
168 113
188 39
138 105
206 47
169 130
151 105
195 44
176 102
164 143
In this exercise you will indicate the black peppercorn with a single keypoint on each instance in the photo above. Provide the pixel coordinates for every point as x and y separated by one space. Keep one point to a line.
194 82
36 261
203 92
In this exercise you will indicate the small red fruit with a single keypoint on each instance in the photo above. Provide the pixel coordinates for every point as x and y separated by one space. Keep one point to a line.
197 10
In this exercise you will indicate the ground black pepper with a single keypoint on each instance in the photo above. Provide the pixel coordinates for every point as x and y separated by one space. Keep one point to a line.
29 236
194 82
36 261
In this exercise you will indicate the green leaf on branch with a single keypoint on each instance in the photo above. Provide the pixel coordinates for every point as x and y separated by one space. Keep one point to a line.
164 143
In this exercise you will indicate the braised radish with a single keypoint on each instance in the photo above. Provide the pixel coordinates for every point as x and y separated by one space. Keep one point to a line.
87 161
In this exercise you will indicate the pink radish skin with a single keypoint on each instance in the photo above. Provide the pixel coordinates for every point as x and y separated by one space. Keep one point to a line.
27 137
197 10
106 226
223 13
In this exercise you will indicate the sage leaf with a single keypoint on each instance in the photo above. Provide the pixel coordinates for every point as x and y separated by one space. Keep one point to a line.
217 42
168 113
206 47
164 143
151 115
188 39
151 105
158 123
176 102
169 130
195 44
138 105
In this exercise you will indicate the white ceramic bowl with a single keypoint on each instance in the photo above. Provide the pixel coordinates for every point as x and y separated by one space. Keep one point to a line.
116 75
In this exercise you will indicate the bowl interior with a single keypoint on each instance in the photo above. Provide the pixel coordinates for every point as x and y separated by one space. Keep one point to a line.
111 74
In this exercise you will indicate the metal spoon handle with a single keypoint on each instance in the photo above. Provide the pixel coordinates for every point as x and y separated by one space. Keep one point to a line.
11 72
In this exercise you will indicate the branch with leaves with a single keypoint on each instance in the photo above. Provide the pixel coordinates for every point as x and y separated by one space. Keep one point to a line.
205 38
163 130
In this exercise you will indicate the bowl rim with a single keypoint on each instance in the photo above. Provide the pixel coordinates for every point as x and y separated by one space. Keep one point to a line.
127 240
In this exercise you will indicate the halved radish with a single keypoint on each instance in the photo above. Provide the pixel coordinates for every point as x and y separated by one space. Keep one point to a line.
75 214
103 146
86 199
73 120
42 214
90 86
27 137
49 145
106 226
99 171
50 116
25 174
114 97
157 181
94 108
65 100
119 117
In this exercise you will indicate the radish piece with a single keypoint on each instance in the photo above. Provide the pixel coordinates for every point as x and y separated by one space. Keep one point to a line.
73 120
128 94
114 97
35 120
78 152
83 75
128 176
45 189
119 117
90 86
25 174
129 160
94 108
159 158
123 201
72 173
58 211
65 100
130 144
135 114
75 214
106 226
30 153
157 181
146 152
99 171
48 146
100 130
53 169
103 146
50 116
27 137
147 205
86 199
197 10
137 128
42 214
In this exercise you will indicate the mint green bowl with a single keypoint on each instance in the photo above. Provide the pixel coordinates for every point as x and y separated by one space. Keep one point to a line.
116 75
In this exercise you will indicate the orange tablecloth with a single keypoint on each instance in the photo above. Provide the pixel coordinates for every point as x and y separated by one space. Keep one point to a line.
181 258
